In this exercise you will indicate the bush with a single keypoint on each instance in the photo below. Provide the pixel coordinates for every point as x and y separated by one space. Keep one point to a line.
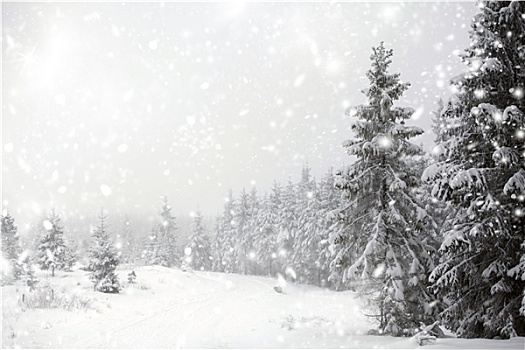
47 298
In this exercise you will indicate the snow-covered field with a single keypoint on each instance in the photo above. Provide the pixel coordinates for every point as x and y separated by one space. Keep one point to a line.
169 308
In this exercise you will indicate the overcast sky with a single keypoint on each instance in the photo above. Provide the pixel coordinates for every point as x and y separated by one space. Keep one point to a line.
115 105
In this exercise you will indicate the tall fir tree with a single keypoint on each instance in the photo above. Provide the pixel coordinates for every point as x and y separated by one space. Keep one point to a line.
103 260
229 234
481 170
52 247
287 229
197 252
167 230
390 236
241 229
217 246
266 232
11 267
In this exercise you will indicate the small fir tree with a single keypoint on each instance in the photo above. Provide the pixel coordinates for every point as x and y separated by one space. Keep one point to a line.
166 234
11 250
103 261
52 246
197 252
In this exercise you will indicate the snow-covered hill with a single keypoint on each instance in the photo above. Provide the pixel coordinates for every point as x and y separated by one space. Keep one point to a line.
169 308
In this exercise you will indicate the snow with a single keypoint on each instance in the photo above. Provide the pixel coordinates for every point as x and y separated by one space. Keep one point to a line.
169 308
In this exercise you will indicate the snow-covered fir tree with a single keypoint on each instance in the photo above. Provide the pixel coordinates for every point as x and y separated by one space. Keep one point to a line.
481 170
198 252
227 231
390 226
240 233
329 199
216 246
307 239
132 243
166 231
266 227
103 260
154 251
52 246
287 229
28 271
11 250
250 237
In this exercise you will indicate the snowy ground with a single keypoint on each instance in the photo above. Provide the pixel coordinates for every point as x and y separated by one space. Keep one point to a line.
169 308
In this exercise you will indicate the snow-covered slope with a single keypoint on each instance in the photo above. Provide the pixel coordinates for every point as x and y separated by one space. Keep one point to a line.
169 308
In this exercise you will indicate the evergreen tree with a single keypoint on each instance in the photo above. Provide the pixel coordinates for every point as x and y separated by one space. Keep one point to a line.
28 272
70 257
217 246
287 229
307 239
132 247
166 231
52 247
229 234
11 250
329 200
155 252
390 236
103 261
198 252
266 232
241 228
480 169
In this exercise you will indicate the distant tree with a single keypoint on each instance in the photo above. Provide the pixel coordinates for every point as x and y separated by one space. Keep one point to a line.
155 254
70 257
52 246
227 234
166 234
391 236
288 227
198 252
27 271
132 243
217 245
241 230
266 225
11 250
132 276
480 169
103 260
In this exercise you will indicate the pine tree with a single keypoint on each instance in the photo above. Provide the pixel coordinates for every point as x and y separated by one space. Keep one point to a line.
480 169
28 272
103 261
266 222
155 252
217 246
390 237
166 231
287 229
52 246
228 234
11 269
198 252
241 227
307 239
132 247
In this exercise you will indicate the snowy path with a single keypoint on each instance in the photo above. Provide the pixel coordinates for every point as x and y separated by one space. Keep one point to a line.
195 322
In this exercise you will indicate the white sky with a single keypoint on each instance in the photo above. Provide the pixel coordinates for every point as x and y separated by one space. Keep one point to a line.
114 105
